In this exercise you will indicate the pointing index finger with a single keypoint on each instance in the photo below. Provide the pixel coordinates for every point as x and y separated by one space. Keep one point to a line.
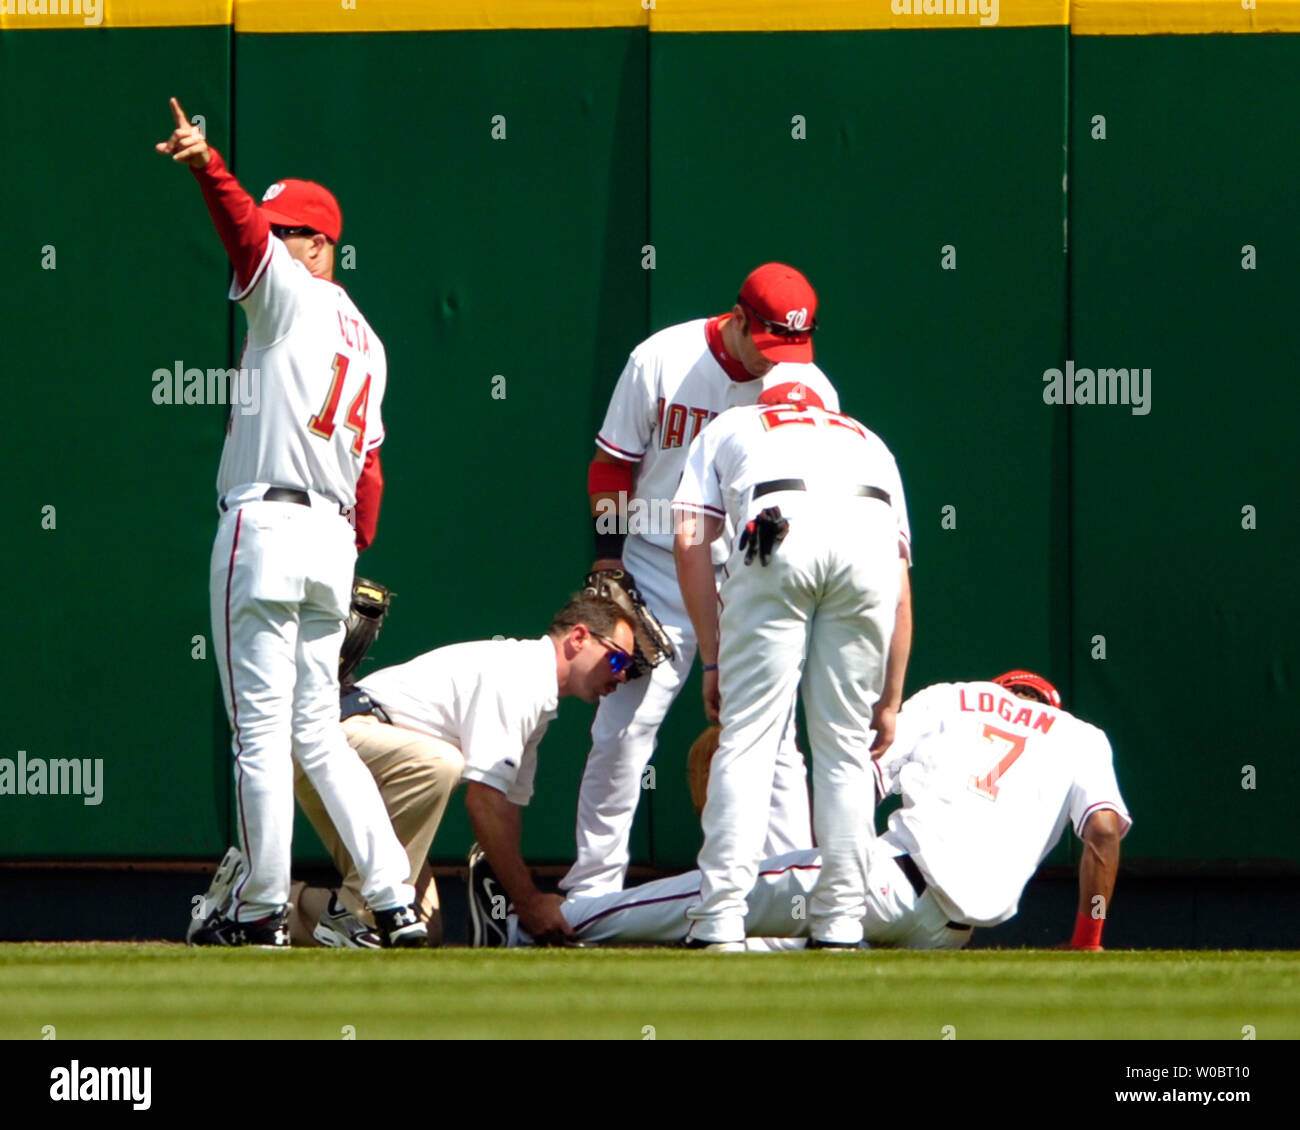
181 120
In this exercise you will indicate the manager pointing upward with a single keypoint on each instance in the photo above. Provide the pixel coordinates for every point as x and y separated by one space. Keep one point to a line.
283 559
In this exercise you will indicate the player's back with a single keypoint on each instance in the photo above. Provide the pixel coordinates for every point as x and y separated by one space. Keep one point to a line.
670 389
989 782
321 372
829 452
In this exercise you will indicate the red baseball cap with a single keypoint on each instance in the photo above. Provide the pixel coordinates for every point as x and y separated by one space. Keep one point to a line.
1013 679
303 204
783 305
791 392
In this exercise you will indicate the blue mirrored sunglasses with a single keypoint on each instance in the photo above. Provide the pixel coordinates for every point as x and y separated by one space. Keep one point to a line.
619 660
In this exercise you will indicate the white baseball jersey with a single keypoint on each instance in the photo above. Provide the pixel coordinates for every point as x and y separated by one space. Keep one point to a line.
322 373
748 446
989 781
492 699
670 388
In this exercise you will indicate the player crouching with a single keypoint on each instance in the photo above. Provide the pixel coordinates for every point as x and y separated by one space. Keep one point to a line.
475 712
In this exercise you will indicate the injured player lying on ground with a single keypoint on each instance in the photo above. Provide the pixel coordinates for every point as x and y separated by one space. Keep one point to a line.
989 774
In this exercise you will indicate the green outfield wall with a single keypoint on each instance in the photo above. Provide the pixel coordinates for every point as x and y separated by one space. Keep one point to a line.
507 179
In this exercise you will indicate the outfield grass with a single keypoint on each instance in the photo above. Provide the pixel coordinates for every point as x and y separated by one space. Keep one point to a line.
170 992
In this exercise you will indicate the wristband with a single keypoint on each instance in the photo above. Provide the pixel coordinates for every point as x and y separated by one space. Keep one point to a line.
609 478
607 545
1087 932
710 666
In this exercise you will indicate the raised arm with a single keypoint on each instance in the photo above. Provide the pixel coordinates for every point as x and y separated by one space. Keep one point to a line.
243 229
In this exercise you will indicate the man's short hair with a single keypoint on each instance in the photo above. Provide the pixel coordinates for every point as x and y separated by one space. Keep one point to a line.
598 613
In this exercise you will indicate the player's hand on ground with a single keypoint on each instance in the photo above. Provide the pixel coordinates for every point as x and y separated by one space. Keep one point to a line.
712 696
542 919
883 720
186 143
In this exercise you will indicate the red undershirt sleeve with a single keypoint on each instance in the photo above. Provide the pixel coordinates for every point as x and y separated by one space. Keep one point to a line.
370 489
239 221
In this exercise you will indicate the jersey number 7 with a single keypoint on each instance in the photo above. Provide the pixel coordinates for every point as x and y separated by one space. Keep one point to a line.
1006 747
322 424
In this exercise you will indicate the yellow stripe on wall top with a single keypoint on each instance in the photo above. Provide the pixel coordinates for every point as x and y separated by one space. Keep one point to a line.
435 15
853 15
1085 17
43 14
658 15
1182 17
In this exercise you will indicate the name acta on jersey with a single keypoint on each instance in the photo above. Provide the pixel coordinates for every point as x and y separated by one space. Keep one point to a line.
672 429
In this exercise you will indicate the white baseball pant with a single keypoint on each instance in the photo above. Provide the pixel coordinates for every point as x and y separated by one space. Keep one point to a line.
819 617
281 585
623 738
777 907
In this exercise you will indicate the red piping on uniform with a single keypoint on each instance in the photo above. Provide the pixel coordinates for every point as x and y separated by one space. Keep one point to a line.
880 777
613 450
684 895
792 867
1101 804
630 905
234 704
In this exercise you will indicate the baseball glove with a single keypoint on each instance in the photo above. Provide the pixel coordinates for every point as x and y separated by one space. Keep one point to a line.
763 533
697 765
652 643
370 603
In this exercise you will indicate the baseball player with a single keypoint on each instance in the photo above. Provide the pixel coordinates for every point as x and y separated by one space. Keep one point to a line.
674 383
825 608
282 562
989 780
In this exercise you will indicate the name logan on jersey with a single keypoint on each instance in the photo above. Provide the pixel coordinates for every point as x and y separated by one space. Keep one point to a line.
1004 708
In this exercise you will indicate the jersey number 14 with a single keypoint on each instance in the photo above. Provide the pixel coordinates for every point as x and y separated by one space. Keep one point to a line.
323 423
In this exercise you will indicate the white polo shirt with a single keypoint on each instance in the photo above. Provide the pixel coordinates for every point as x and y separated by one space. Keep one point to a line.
492 699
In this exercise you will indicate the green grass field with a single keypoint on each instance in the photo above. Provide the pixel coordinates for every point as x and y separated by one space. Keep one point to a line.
163 991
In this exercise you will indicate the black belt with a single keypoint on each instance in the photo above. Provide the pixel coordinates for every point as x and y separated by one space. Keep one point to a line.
282 494
774 485
356 701
907 865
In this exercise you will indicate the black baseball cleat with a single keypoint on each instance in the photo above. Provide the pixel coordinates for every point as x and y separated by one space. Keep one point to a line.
715 947
400 928
271 932
217 897
818 944
488 905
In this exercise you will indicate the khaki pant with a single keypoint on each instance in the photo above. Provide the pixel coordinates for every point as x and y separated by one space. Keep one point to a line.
416 775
